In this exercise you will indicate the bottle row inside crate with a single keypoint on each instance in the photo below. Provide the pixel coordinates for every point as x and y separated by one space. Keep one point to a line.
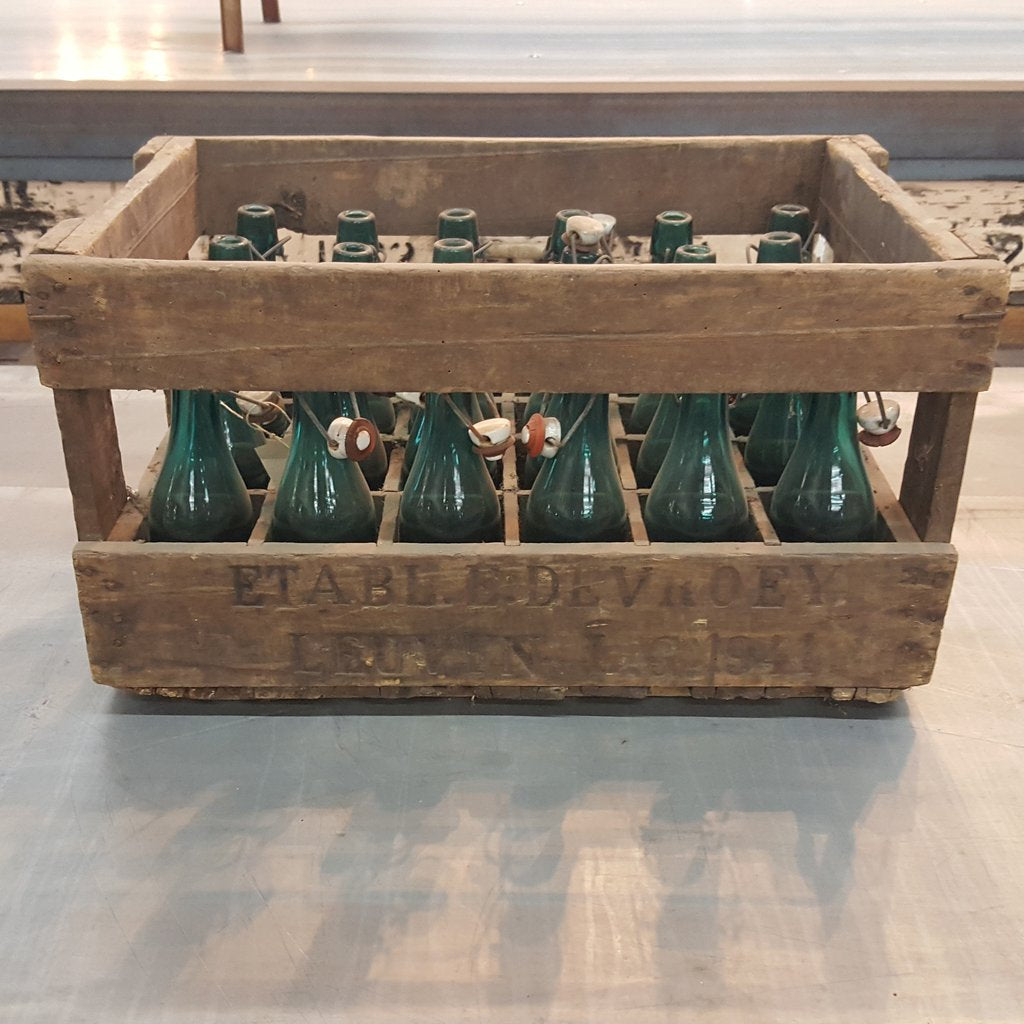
513 486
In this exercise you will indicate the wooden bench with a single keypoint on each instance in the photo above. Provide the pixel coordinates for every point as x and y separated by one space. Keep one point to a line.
231 22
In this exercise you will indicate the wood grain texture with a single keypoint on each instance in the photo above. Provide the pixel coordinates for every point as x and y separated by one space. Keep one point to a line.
285 616
144 324
872 695
935 462
152 217
231 33
729 184
92 457
869 218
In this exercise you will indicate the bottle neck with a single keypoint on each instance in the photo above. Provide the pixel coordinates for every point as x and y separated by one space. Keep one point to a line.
325 406
834 414
194 415
594 422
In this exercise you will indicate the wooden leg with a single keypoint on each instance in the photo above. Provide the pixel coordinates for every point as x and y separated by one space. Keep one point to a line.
271 11
231 26
935 462
93 459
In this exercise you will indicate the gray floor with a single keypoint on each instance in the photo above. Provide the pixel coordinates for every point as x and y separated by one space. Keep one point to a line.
165 863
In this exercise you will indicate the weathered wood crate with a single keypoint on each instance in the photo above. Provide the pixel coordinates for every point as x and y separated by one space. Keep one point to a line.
114 304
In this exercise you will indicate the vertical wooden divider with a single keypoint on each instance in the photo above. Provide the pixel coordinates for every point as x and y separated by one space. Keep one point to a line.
388 533
935 462
510 479
92 456
758 513
637 529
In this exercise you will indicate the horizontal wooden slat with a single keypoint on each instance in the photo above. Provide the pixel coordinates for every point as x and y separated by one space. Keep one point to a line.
142 324
729 184
674 615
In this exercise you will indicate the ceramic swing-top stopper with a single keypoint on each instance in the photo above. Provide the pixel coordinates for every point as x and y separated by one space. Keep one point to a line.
878 426
353 439
541 436
493 437
587 230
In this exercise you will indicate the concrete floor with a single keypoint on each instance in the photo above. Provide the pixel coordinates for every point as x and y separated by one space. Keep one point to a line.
789 863
517 41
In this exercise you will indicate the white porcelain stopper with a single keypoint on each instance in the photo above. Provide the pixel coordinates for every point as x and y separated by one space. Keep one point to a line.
493 437
870 417
353 439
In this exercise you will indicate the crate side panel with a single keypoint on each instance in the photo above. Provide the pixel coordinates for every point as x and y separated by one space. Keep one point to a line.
155 215
144 324
868 218
729 184
718 615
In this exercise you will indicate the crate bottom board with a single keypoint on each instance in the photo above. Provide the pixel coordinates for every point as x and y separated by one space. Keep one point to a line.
868 694
317 620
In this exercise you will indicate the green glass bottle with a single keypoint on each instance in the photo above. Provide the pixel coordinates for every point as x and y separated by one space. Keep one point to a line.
258 223
412 446
233 248
773 434
243 439
743 412
672 228
657 440
647 407
791 217
824 494
458 222
321 499
362 247
378 408
375 465
577 495
199 494
449 497
556 241
644 410
358 226
697 494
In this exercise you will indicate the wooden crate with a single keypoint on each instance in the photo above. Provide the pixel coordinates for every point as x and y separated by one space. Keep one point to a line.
114 304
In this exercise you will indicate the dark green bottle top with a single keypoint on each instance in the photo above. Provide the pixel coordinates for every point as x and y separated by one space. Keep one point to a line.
353 252
556 243
357 226
695 254
459 222
258 223
791 217
453 250
230 247
779 247
672 228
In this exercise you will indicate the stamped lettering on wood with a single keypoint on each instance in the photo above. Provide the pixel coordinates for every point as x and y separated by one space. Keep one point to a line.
511 617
